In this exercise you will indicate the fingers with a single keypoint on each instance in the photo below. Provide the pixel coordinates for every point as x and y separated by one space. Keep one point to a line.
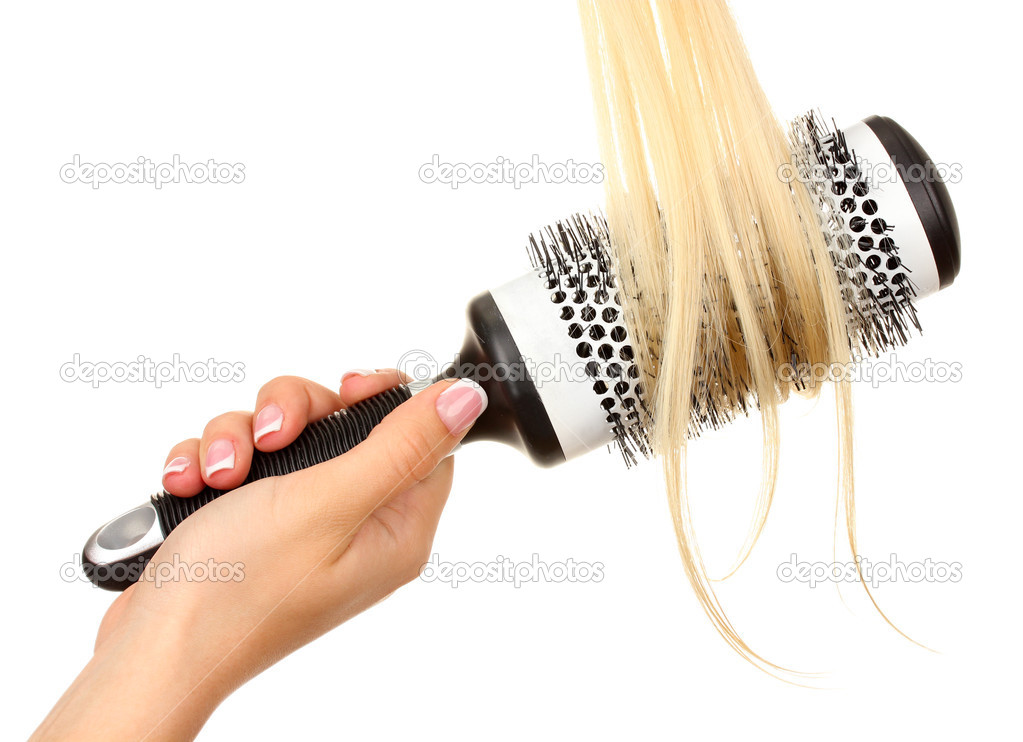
225 450
400 452
220 459
222 456
285 406
181 474
359 384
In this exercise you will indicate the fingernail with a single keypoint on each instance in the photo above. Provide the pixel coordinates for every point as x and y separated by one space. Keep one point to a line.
269 420
219 456
357 372
176 465
460 404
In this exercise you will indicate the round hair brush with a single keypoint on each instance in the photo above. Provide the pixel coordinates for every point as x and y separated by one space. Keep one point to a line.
553 350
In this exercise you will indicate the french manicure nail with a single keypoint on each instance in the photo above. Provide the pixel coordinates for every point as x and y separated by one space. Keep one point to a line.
460 404
176 465
219 456
357 372
269 420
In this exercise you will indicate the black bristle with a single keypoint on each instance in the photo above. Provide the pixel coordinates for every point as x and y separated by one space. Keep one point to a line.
879 310
561 253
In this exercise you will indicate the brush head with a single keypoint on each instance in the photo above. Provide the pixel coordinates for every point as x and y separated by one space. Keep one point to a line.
595 348
926 190
560 363
887 219
553 352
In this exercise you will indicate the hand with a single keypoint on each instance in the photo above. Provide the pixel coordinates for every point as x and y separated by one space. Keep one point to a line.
293 556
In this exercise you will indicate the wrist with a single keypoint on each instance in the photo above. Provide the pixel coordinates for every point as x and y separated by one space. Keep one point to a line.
138 685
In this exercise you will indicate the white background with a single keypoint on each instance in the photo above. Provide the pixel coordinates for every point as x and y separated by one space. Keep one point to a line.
333 254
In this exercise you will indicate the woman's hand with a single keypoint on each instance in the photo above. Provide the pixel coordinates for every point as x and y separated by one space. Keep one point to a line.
266 568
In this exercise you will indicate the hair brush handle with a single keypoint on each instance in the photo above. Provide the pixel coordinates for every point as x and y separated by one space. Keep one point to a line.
319 442
116 554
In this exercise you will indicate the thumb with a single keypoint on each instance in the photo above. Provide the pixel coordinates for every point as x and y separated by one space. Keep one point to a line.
400 452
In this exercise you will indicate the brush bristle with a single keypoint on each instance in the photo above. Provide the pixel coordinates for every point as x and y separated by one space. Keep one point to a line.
572 259
876 287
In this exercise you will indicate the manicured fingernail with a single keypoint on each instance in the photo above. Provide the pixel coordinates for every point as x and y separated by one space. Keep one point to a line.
460 404
219 456
357 372
176 465
269 420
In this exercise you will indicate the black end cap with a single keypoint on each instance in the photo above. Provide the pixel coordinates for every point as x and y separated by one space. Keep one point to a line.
928 192
515 413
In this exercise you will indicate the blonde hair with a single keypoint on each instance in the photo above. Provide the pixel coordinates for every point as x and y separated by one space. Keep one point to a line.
725 271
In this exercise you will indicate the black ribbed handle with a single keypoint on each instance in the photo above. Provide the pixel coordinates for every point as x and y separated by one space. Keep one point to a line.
321 441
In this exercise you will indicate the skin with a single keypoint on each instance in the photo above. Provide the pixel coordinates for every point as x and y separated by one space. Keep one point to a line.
317 547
